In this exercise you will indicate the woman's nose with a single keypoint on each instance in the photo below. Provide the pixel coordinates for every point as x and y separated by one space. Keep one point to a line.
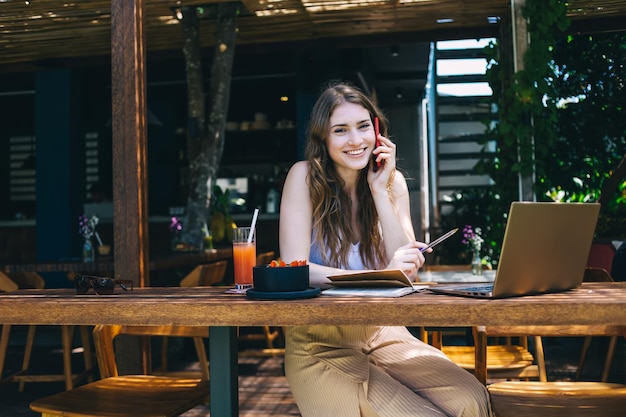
354 137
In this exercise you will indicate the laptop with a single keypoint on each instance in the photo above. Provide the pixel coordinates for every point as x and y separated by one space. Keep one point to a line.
545 249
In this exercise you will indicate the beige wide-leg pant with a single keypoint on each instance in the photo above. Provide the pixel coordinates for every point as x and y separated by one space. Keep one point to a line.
367 371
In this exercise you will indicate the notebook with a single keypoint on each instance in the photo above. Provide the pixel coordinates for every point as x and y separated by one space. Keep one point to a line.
545 249
385 283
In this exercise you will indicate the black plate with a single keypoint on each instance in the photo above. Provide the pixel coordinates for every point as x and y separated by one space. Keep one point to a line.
283 295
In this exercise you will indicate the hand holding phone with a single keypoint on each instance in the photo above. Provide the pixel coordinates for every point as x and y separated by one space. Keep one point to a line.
376 132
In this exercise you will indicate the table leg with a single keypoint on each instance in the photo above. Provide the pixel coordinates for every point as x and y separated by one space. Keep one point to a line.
223 371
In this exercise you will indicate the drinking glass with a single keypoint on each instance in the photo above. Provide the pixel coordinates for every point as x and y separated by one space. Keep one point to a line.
244 257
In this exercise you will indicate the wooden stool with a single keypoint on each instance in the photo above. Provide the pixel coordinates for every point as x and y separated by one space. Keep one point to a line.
123 396
67 376
34 280
557 399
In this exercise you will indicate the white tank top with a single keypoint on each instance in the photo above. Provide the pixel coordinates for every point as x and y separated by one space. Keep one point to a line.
354 258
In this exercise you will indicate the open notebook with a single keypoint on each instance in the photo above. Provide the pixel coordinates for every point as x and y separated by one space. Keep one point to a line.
545 249
385 283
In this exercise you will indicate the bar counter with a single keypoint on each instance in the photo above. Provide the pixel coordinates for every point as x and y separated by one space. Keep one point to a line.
591 304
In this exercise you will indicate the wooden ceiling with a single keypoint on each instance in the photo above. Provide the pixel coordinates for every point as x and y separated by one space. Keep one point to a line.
39 33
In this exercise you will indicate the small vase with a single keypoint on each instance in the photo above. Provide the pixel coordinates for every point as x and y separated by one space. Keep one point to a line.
89 254
477 264
174 242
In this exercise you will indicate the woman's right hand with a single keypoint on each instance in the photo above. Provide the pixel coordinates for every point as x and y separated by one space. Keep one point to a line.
408 258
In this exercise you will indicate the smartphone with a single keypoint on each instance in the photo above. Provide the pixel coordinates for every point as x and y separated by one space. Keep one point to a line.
376 132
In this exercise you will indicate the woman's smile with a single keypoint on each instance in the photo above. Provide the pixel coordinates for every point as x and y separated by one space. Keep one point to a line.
356 152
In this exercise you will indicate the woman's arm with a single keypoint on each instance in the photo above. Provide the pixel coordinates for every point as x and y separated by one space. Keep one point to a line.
402 250
391 197
394 214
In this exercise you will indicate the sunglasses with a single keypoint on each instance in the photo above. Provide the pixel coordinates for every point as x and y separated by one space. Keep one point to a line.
101 285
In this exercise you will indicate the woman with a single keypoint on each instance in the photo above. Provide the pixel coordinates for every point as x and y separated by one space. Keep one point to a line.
342 216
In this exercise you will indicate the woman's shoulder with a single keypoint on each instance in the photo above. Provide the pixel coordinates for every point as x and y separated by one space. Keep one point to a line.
300 169
399 181
297 174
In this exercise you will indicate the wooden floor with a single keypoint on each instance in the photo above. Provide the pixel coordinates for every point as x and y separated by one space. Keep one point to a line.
263 388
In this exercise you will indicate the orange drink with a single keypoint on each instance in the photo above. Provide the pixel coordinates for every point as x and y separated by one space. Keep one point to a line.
244 257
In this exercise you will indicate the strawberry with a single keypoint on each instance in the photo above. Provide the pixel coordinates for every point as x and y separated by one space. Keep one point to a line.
277 263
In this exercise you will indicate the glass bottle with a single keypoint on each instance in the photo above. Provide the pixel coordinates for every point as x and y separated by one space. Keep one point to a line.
477 264
88 250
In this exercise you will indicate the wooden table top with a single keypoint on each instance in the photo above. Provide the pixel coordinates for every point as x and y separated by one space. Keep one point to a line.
592 304
106 264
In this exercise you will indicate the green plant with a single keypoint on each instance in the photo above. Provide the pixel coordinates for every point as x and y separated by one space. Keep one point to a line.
525 131
560 117
589 84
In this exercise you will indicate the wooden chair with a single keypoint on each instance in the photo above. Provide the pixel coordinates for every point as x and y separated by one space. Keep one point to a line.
601 255
129 395
205 274
202 275
506 361
33 280
482 349
265 258
558 399
516 362
502 361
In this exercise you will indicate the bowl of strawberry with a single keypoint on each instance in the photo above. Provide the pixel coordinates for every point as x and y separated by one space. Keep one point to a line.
279 276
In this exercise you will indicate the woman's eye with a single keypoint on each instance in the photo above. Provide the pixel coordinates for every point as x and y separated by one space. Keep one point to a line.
339 130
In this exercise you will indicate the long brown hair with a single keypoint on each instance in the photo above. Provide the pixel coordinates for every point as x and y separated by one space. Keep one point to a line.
332 214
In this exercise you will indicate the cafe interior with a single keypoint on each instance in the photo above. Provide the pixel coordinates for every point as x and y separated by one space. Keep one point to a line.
96 123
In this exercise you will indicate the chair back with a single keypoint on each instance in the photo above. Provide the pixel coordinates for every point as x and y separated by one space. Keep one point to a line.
6 283
595 274
21 280
205 275
265 258
601 255
104 336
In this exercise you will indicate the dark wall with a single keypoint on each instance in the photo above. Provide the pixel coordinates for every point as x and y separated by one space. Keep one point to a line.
260 77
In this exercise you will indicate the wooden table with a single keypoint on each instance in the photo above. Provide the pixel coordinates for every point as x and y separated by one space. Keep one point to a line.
592 304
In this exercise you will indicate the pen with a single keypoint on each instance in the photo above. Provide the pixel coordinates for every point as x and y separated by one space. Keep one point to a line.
440 239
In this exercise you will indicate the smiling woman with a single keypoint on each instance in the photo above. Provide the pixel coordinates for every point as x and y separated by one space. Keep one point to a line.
342 216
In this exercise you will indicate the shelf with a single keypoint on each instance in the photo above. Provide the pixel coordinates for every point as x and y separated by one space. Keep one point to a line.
268 146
